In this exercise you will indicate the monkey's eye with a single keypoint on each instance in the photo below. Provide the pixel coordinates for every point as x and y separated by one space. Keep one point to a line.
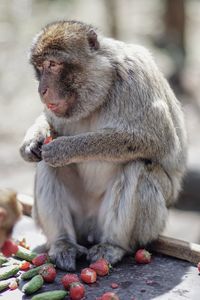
39 67
55 66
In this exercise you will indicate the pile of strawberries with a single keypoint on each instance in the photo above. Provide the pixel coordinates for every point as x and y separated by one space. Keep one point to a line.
89 275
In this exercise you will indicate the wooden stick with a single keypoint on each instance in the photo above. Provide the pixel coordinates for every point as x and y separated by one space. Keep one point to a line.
177 248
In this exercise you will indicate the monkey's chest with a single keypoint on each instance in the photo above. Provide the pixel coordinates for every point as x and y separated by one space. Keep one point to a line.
96 176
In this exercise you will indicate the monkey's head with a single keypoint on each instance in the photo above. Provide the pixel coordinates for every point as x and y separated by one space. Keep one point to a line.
74 74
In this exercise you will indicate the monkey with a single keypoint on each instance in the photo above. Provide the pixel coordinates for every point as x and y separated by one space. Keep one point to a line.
104 184
10 213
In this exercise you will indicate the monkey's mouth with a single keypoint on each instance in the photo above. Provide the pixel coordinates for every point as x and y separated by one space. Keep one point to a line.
60 107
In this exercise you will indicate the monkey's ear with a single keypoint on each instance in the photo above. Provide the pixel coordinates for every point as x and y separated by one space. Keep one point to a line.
3 215
93 40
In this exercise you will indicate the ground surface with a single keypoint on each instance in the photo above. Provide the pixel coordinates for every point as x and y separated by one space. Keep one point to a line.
164 278
138 21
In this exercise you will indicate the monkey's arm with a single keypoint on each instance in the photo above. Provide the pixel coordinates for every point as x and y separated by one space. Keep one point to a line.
109 145
30 148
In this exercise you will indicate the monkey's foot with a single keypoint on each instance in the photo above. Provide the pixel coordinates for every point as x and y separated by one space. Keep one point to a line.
64 253
111 253
41 248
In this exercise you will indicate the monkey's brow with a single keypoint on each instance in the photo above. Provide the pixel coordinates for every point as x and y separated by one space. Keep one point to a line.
50 54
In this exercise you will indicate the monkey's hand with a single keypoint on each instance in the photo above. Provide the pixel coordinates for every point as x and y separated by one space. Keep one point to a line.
58 153
30 149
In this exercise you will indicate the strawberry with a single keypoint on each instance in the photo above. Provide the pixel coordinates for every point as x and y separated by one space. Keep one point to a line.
48 273
198 266
101 267
88 275
142 256
24 266
40 259
77 291
48 140
9 248
110 296
68 279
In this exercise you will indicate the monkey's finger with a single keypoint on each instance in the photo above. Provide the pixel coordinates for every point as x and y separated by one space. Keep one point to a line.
35 149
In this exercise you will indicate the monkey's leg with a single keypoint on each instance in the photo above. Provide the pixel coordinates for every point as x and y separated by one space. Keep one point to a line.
54 202
133 211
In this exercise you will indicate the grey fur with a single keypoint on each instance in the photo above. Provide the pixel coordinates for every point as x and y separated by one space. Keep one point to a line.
118 160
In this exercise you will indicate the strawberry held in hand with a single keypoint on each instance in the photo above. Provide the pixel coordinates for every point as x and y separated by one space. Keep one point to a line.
88 275
69 279
48 140
142 256
101 267
77 291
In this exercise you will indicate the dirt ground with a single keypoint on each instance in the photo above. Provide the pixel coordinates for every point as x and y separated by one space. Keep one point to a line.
19 101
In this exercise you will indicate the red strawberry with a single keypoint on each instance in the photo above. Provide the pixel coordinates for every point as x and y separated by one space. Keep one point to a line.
9 248
48 139
40 259
142 256
110 296
88 275
68 279
77 291
48 273
101 267
198 266
24 266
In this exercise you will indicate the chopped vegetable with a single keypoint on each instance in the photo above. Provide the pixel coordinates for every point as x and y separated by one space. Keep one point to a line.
33 285
53 295
9 271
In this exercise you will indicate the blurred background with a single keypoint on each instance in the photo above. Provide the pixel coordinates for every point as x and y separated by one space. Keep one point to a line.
170 29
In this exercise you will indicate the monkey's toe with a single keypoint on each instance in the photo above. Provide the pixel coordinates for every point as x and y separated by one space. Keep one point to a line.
111 253
63 253
65 260
41 248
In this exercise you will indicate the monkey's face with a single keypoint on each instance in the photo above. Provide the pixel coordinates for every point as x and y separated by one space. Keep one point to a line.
74 77
53 82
